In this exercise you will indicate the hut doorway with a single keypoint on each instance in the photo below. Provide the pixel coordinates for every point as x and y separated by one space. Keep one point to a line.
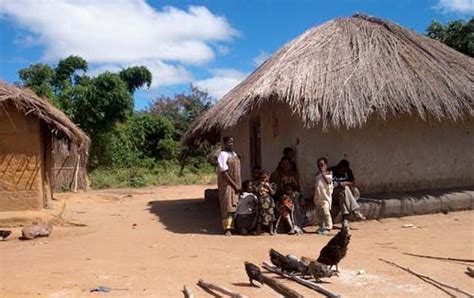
255 143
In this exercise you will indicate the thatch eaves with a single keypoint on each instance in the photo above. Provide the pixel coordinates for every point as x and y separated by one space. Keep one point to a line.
27 102
344 71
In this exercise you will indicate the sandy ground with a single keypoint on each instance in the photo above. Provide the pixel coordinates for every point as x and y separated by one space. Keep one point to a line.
150 242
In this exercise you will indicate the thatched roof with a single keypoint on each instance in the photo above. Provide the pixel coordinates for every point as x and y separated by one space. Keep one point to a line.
341 73
27 102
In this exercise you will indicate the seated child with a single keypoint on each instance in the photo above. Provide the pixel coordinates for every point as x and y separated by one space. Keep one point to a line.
287 207
265 191
246 213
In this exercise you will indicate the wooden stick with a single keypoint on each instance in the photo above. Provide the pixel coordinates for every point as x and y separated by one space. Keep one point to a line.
187 292
280 288
76 173
220 289
299 280
439 258
426 278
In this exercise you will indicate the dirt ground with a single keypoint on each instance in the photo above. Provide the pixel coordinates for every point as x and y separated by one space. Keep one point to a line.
152 241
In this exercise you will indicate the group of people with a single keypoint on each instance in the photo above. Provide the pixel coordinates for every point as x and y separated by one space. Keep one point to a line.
273 202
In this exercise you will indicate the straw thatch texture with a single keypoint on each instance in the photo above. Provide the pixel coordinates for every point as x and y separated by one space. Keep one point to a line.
27 102
346 70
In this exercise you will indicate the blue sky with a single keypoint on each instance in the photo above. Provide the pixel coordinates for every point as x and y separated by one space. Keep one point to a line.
212 44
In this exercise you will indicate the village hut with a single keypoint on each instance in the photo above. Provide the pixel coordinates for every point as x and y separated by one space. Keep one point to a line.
36 141
396 104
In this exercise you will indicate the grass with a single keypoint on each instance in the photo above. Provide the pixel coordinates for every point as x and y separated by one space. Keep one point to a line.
159 174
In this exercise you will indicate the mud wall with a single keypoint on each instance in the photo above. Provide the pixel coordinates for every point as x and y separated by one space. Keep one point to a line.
400 154
21 161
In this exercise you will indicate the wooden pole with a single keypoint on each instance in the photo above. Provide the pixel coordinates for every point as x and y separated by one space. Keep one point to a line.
214 287
76 172
280 288
299 280
187 292
439 258
428 279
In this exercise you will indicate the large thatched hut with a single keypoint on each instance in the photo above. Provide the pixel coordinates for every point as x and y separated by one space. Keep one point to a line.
33 135
396 104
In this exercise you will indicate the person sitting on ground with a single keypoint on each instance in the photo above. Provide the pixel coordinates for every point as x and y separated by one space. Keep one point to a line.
345 191
287 208
290 153
266 216
256 171
285 175
323 196
247 208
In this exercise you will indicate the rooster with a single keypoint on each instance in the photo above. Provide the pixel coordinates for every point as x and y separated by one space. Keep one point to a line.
253 273
336 249
5 234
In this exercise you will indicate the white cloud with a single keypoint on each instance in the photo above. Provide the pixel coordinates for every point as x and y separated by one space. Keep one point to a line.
120 30
257 61
461 6
118 33
222 81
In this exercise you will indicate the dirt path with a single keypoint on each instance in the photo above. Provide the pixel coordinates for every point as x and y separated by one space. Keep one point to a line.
149 242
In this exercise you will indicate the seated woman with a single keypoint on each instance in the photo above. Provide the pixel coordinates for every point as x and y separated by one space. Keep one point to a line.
285 175
345 191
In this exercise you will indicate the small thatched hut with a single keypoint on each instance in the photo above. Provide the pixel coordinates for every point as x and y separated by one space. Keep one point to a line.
396 104
31 134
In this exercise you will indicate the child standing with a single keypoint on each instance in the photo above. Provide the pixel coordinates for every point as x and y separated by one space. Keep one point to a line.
286 208
265 191
323 196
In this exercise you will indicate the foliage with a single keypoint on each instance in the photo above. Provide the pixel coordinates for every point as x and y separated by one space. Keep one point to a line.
458 34
163 173
104 101
39 78
136 77
129 149
182 109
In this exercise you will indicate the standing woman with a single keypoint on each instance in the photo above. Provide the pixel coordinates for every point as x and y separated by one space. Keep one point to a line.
228 183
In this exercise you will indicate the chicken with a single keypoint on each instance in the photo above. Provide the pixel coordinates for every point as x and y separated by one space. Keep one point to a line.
253 273
336 249
287 263
5 234
318 270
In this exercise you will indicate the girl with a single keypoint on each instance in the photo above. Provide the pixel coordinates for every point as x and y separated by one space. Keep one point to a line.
323 196
266 216
287 207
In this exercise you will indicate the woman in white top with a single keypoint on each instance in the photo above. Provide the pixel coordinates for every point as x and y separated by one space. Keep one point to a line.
228 183
323 196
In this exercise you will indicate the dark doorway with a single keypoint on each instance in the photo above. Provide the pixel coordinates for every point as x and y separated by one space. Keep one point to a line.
255 143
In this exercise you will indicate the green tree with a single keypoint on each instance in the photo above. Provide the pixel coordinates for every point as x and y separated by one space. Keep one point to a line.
101 102
136 77
182 109
457 34
39 78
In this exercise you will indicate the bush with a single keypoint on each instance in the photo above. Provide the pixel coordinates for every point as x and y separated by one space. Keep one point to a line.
162 173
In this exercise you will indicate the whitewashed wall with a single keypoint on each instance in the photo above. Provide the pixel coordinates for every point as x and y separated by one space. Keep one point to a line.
402 154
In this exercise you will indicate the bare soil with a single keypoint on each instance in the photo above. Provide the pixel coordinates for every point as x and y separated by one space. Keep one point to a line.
152 241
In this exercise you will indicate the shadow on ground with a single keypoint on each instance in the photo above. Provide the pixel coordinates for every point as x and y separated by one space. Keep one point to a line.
188 216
